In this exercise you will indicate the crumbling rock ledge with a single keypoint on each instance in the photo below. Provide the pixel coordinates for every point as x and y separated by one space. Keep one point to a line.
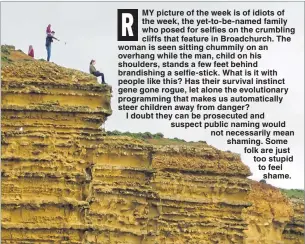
268 216
294 230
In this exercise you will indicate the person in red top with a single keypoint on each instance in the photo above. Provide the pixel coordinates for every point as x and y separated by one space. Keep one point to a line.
48 29
31 51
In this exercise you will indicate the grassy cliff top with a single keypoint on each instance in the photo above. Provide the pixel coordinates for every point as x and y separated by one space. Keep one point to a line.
18 66
297 194
156 139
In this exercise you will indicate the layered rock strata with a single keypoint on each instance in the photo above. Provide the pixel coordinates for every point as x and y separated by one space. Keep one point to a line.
48 114
63 181
294 230
267 217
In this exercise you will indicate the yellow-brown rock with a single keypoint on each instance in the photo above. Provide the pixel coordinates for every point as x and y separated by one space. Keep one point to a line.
273 218
268 215
64 181
294 230
50 123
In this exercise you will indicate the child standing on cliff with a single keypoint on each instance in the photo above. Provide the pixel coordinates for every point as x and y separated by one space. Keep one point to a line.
48 31
49 41
96 73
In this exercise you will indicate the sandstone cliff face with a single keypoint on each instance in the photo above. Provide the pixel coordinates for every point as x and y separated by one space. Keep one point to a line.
64 181
294 230
269 214
49 114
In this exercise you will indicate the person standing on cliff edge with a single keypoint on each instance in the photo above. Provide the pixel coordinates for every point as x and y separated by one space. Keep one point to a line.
96 73
49 41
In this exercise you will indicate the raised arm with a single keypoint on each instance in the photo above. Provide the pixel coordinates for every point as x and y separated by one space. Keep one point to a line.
55 38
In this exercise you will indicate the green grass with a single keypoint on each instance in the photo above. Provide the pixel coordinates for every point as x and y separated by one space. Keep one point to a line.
293 193
142 136
5 59
156 139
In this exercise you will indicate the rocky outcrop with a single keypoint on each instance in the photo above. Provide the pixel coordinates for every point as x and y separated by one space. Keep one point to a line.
201 193
64 181
294 230
48 115
269 214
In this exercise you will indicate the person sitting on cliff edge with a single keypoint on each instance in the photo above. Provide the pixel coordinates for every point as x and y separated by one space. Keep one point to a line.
96 73
31 51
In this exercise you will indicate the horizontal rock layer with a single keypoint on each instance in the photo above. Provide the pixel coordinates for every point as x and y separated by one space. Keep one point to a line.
294 230
273 218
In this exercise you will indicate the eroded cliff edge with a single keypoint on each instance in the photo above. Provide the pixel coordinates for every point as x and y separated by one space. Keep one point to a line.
64 181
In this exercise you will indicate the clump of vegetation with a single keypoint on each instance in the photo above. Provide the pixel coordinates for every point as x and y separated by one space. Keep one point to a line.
5 59
5 52
263 181
5 49
293 193
203 142
177 139
143 136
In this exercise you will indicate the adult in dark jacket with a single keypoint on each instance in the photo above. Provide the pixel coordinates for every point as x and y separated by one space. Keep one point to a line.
96 73
49 41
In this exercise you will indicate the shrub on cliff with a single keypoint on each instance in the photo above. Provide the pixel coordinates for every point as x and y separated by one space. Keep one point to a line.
147 135
159 135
